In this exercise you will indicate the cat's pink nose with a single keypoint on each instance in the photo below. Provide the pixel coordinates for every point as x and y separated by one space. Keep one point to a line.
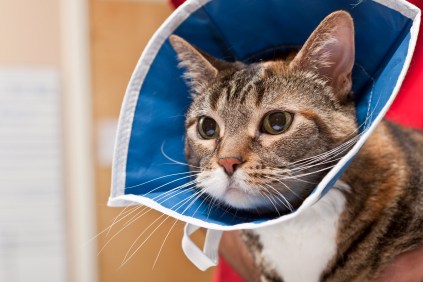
229 164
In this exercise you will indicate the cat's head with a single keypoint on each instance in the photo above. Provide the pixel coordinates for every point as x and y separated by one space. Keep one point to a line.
256 135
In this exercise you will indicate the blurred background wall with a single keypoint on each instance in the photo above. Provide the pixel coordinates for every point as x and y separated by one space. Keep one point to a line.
119 32
64 66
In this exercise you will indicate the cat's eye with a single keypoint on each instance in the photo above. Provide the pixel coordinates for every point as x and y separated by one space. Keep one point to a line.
208 128
276 122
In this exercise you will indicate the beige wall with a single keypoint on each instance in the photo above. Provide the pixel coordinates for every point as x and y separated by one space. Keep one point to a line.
33 34
29 32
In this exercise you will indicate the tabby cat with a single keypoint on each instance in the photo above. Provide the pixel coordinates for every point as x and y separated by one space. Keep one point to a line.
264 134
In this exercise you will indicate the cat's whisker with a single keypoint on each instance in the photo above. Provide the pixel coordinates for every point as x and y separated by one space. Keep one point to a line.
302 168
179 204
173 160
180 189
164 241
369 114
137 216
181 163
335 151
159 197
305 174
168 195
184 201
122 229
115 221
170 182
212 203
171 193
302 180
204 200
348 143
285 201
201 203
270 200
199 194
128 254
367 118
340 148
286 186
324 154
143 213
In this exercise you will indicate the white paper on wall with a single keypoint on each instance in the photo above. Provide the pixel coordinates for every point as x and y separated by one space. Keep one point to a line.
32 207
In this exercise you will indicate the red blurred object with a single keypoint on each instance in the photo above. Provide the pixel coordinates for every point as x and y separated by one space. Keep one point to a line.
225 273
177 3
407 110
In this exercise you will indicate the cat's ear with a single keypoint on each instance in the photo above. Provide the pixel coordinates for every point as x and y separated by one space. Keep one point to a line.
329 51
199 66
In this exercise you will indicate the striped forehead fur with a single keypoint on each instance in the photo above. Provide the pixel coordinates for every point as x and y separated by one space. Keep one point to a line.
250 89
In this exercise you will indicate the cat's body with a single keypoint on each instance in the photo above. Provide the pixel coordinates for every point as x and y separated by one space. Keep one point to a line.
264 134
354 231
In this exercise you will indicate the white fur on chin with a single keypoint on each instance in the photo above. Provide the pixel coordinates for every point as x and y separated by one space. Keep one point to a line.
231 190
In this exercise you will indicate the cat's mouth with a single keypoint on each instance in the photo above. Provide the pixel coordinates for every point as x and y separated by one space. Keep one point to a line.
239 195
239 198
234 188
234 191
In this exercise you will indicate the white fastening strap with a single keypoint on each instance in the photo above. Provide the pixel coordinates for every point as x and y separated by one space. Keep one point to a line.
209 256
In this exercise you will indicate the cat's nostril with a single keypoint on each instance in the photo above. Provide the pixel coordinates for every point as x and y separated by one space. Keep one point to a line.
229 164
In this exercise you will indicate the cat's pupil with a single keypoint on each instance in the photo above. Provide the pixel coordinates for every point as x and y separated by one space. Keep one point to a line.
208 128
277 121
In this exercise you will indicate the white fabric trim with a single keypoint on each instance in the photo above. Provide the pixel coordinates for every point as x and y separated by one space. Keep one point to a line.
406 9
132 92
207 258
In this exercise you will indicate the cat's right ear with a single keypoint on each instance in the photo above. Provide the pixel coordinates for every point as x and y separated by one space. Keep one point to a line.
198 66
329 52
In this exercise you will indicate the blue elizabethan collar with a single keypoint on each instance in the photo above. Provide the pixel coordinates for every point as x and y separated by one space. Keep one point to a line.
151 125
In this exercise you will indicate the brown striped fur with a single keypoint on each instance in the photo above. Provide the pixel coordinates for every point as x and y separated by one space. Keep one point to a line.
384 211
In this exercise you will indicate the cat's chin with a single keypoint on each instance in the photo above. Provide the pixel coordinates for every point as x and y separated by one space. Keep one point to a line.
249 205
239 199
231 191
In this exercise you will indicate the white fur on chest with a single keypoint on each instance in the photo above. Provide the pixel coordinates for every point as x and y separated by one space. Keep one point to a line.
300 249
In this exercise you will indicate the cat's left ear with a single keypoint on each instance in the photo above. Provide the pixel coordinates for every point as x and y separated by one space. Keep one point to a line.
199 66
329 52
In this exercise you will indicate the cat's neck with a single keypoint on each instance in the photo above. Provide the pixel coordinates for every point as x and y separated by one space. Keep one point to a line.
378 179
378 173
382 216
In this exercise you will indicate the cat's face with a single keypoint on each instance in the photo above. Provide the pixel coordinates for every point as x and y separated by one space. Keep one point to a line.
253 131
